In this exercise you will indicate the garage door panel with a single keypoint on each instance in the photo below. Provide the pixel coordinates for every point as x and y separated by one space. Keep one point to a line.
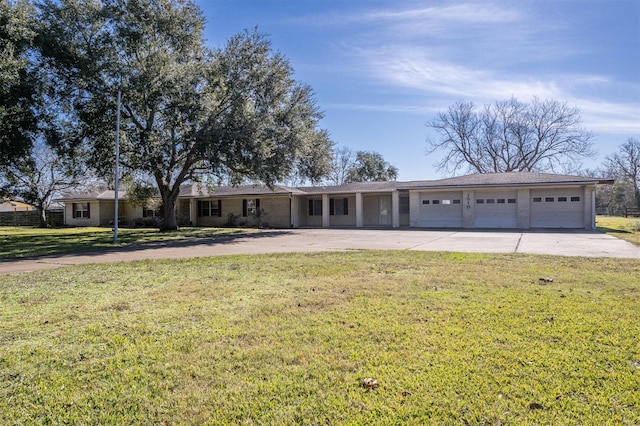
557 208
496 209
441 210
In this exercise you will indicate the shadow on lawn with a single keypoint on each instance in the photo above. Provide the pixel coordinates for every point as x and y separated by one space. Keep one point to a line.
186 242
613 230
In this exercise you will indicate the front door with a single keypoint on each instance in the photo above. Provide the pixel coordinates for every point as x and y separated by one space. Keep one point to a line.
385 210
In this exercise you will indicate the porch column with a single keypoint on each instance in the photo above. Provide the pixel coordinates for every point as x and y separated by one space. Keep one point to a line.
193 214
294 211
359 216
395 209
325 211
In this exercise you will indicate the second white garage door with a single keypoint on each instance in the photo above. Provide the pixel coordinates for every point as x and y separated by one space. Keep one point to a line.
557 208
496 209
441 209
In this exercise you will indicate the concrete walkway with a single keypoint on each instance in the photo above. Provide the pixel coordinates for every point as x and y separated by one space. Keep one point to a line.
562 243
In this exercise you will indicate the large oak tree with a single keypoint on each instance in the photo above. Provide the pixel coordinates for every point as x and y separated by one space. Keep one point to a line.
187 111
544 135
18 83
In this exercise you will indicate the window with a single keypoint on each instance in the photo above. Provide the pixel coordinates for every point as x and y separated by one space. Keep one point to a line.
250 207
575 198
404 205
480 201
537 199
210 208
315 207
81 210
338 206
501 200
511 201
446 202
491 201
425 202
146 212
562 199
456 201
436 202
548 200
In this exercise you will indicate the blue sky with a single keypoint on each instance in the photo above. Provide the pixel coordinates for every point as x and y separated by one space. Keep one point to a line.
382 69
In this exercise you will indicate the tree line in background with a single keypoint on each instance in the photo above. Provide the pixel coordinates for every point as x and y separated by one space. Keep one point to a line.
233 114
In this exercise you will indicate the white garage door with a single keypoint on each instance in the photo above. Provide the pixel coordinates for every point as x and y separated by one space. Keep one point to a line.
557 208
441 209
496 209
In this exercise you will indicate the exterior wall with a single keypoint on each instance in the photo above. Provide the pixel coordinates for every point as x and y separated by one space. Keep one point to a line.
468 209
589 208
371 210
276 212
329 220
414 209
183 214
348 219
93 220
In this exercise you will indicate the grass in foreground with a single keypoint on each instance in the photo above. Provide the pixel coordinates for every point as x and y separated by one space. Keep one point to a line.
625 228
17 242
287 339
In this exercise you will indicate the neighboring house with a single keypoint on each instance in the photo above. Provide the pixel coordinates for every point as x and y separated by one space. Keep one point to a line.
15 206
520 200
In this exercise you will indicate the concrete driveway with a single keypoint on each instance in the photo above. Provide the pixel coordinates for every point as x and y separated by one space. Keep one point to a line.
562 243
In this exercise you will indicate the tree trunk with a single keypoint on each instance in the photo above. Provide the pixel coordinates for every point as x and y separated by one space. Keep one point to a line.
42 215
169 201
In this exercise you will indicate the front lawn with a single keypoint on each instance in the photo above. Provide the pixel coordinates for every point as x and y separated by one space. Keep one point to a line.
625 228
449 338
18 242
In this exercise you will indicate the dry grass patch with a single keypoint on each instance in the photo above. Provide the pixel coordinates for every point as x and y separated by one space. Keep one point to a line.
288 339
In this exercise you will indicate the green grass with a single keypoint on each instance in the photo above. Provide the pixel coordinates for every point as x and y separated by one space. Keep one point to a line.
287 339
18 242
625 228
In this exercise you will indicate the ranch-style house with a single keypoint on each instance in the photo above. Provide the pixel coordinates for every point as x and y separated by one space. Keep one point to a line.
517 200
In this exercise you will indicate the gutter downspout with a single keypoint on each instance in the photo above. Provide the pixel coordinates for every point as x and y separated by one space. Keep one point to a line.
593 206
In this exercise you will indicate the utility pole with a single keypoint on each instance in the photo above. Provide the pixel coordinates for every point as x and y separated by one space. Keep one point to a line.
117 172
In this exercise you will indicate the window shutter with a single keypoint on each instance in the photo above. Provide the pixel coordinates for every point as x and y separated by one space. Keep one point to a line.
88 210
199 208
310 207
244 208
332 210
73 210
257 204
346 206
219 208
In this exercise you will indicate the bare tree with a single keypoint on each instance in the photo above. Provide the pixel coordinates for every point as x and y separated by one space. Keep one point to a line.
341 165
511 136
625 165
39 178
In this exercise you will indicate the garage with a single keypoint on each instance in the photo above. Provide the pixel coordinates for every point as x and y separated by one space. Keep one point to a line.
496 209
557 208
441 209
